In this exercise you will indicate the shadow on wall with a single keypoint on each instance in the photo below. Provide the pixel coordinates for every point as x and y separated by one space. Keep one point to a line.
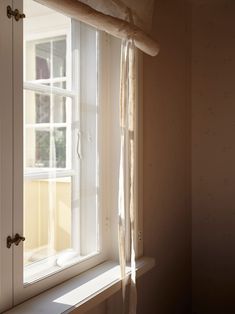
213 155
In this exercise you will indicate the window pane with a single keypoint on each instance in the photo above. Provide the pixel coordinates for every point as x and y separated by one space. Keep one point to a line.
60 147
45 148
59 58
37 107
43 60
59 109
42 108
42 151
47 218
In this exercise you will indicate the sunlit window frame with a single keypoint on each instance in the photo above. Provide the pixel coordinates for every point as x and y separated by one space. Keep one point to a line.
37 86
72 162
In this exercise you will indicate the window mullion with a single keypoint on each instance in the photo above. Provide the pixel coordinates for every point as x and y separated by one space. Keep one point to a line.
75 123
49 89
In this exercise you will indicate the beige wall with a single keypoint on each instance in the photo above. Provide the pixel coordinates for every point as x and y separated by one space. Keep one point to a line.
167 214
213 156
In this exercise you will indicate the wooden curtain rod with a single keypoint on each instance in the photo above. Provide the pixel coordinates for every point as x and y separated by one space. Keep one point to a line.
112 25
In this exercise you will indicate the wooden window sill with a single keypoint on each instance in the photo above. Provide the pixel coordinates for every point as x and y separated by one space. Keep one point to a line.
82 292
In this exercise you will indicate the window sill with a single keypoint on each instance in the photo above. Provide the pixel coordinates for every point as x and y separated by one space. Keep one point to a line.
82 292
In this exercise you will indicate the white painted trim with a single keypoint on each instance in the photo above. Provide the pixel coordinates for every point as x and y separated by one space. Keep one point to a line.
109 51
17 147
139 158
83 292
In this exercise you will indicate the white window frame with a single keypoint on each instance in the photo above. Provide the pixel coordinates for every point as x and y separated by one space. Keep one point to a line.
72 166
23 292
36 86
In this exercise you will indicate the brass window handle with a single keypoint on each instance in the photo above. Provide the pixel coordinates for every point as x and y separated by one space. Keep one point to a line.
16 13
16 240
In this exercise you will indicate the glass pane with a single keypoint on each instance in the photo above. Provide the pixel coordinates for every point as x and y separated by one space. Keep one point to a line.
45 147
43 60
59 58
37 107
47 219
42 148
42 108
59 109
59 136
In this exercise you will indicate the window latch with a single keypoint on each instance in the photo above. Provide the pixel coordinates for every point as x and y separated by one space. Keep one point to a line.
16 13
79 145
16 240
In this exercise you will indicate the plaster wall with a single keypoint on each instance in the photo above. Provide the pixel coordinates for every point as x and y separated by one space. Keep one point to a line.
213 155
167 212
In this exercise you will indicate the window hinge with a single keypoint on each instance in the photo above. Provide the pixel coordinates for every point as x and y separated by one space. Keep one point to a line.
16 13
16 240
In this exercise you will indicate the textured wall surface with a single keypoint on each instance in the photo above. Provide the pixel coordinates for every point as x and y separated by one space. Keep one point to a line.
167 213
172 82
213 156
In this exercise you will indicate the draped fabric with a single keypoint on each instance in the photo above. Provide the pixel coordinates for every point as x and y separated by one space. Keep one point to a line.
127 219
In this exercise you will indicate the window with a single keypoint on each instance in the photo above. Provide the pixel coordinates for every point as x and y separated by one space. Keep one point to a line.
50 173
60 140
61 213
47 115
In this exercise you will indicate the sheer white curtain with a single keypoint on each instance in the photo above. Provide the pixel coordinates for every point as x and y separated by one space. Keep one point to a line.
127 219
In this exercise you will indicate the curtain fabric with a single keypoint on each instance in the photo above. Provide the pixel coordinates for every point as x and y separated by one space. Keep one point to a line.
127 217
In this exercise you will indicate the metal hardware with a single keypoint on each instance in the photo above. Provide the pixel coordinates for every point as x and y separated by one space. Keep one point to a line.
16 13
16 240
79 145
140 236
10 12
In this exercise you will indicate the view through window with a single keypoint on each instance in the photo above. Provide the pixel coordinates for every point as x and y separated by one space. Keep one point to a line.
53 214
